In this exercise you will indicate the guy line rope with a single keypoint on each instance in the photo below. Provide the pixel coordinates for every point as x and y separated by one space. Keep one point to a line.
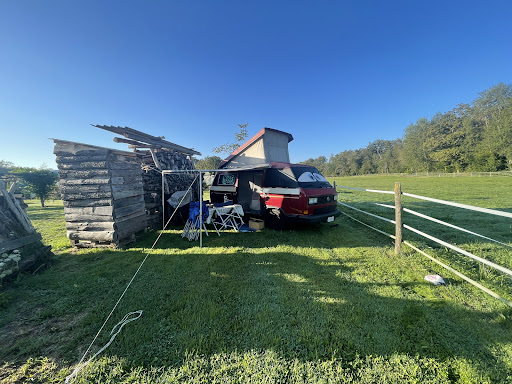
127 318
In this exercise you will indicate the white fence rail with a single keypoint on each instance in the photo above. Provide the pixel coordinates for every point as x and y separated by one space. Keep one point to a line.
399 226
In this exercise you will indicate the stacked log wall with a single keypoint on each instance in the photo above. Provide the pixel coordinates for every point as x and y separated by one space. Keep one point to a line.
102 192
152 181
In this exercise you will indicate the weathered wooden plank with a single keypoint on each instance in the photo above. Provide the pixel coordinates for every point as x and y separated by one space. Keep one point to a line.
92 188
88 203
128 179
92 235
90 226
87 217
139 215
130 230
70 149
82 174
128 210
124 166
74 159
128 201
87 181
128 187
100 211
18 243
125 172
83 165
83 196
125 194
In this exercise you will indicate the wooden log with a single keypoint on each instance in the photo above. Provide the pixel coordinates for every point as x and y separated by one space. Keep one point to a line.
128 187
125 172
128 210
86 217
128 201
92 236
74 159
140 215
82 174
83 165
70 149
18 243
128 230
90 226
100 211
92 188
88 203
16 210
124 166
125 194
88 181
86 196
128 179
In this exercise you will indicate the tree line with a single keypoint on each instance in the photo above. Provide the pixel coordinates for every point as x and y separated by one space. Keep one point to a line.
471 137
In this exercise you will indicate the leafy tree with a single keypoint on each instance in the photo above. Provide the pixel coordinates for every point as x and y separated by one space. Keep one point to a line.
209 162
40 181
240 137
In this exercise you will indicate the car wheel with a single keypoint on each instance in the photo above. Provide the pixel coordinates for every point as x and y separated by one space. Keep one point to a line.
274 219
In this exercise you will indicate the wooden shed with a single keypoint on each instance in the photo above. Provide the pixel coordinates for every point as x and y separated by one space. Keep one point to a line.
102 193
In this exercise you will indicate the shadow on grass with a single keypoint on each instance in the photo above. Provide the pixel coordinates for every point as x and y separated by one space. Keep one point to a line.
315 306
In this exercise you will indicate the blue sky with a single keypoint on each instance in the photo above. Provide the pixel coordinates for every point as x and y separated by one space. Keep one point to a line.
335 74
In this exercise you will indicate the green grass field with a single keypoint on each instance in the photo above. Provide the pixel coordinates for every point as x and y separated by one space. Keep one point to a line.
317 305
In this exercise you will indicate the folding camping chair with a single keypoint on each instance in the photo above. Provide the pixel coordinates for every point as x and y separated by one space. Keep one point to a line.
195 222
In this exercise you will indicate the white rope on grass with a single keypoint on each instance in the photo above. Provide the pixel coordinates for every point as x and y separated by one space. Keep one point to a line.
126 319
460 250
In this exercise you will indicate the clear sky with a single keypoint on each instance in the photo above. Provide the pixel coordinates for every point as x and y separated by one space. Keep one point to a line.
335 74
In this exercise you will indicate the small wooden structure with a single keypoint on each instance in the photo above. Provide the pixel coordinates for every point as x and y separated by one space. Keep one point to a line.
102 193
21 248
108 194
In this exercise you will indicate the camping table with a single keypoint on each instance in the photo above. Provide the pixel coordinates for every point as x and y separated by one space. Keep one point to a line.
227 216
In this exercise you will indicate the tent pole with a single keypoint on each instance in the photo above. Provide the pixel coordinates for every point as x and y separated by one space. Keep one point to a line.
163 201
201 209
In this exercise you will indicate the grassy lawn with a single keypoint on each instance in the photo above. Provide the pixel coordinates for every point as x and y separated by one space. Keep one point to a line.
321 304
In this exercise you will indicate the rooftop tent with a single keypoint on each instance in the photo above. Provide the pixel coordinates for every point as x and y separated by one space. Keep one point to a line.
268 145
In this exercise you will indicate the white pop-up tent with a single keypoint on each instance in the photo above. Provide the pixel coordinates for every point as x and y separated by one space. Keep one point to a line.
268 145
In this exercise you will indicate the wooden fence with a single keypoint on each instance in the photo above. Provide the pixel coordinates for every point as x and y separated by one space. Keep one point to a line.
399 226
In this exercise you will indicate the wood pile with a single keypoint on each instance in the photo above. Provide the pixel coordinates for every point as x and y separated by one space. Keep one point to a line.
157 154
152 181
102 192
21 248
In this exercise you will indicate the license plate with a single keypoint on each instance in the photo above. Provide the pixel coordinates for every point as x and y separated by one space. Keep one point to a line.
330 219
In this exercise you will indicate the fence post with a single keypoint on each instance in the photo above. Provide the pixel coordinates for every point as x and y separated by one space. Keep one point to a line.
398 218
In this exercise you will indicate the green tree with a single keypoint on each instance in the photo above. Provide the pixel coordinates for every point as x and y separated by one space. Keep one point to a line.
240 137
40 181
209 162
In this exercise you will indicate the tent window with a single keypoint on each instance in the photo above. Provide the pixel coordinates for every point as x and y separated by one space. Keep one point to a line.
280 178
227 179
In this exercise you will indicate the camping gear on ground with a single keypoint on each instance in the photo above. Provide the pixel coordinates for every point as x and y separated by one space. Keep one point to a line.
256 224
195 221
226 216
434 279
181 197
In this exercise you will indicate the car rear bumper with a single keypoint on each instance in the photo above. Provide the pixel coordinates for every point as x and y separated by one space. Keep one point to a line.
312 219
